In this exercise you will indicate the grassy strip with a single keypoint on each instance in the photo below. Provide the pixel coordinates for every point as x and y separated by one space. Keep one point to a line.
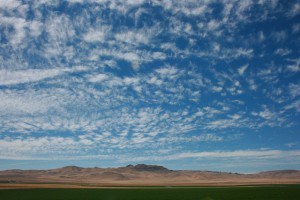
290 192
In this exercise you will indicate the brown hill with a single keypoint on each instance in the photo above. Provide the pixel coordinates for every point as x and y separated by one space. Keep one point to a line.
281 174
138 175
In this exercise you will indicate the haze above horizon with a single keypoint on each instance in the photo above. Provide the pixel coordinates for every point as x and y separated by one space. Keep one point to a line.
204 85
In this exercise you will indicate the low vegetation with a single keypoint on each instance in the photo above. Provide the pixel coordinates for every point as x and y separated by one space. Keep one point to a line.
279 192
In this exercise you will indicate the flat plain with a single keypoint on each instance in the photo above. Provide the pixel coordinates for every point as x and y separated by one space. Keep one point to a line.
277 192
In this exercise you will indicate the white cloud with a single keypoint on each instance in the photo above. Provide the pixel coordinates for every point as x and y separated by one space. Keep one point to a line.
213 25
9 77
223 124
291 144
29 102
35 28
295 67
217 89
9 4
196 11
36 148
266 114
242 69
19 25
189 8
60 29
25 76
192 139
159 55
259 154
131 56
295 10
252 84
294 105
282 52
261 36
294 90
167 71
98 78
279 36
155 80
134 37
235 116
131 80
96 35
244 52
296 28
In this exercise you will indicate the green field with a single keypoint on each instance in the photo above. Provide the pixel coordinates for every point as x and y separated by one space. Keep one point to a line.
291 192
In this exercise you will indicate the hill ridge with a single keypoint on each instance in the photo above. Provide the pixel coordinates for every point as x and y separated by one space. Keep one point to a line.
142 174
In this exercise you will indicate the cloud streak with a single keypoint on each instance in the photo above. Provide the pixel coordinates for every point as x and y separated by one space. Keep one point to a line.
8 77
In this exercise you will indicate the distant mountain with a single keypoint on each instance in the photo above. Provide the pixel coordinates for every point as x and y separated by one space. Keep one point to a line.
149 168
70 168
141 174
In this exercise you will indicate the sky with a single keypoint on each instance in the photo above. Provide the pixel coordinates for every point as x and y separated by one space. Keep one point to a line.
194 84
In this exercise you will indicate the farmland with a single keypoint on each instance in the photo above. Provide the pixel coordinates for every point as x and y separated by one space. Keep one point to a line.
279 192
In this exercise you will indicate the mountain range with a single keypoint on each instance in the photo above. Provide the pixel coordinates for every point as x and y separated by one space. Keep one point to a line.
145 175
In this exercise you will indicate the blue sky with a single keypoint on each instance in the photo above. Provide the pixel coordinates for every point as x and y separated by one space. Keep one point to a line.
208 85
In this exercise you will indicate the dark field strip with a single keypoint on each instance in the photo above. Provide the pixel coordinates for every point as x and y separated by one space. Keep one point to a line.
288 192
